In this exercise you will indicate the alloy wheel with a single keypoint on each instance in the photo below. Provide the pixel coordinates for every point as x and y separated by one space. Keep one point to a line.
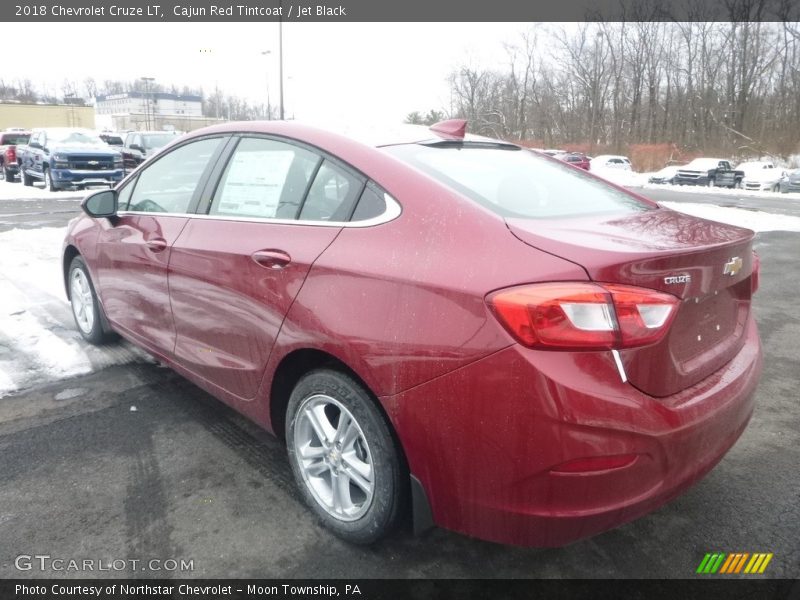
334 457
82 300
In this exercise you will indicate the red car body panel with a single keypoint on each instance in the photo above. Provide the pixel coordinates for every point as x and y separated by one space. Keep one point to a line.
482 420
212 266
498 426
131 270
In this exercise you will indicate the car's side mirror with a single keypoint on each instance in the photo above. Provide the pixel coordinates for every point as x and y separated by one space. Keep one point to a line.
35 145
100 204
137 147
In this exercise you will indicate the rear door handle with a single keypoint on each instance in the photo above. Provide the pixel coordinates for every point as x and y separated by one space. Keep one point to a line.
156 244
272 259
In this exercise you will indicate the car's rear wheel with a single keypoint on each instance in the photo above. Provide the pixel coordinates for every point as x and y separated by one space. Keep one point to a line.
85 307
343 456
9 176
26 179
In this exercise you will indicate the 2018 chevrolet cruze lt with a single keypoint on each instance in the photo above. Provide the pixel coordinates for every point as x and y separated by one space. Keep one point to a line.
437 322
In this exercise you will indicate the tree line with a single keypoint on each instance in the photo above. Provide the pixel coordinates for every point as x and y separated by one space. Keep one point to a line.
711 87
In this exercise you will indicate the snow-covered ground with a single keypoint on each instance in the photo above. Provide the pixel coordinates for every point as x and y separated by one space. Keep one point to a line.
38 338
633 179
751 219
17 191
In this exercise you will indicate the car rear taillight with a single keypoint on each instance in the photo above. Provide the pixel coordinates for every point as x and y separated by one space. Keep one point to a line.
583 316
754 276
11 154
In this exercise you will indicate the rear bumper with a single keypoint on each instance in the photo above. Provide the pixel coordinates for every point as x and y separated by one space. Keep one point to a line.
483 440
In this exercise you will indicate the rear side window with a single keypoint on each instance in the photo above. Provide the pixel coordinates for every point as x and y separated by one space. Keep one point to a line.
264 179
516 183
332 194
371 204
168 184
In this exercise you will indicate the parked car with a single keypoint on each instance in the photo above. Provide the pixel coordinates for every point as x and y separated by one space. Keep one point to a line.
9 140
665 175
64 157
711 172
140 145
608 161
760 175
576 159
791 182
341 295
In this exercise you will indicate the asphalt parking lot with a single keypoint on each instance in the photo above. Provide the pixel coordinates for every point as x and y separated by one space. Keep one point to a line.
132 462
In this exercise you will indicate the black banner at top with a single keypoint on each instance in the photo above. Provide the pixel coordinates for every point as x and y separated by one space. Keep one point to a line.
396 10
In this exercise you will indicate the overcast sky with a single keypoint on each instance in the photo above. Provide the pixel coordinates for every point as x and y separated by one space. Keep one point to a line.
332 71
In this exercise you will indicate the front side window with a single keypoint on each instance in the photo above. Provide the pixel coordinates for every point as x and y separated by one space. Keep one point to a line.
168 184
516 183
264 179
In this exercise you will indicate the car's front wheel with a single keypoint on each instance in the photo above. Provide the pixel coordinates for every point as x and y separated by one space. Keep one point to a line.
48 181
85 307
343 456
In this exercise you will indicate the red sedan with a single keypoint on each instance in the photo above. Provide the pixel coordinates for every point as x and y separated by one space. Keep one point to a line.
504 345
576 160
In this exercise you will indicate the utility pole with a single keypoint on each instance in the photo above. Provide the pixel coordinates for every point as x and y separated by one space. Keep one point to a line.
147 81
280 60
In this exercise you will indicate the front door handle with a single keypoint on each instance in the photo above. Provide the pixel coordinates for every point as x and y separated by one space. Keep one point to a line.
156 244
272 259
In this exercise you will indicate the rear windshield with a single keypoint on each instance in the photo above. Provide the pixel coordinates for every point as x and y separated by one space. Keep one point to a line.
14 139
516 183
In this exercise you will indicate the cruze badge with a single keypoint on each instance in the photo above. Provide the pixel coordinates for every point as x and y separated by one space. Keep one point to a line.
733 266
677 279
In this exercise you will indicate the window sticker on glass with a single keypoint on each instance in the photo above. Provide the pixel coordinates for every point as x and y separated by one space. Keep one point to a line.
260 178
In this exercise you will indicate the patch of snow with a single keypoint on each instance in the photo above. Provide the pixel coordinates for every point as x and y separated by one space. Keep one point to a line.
702 189
749 219
621 176
38 338
17 191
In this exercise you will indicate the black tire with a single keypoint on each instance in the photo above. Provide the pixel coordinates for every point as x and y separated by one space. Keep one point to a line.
711 182
9 176
48 180
3 173
98 332
374 440
26 179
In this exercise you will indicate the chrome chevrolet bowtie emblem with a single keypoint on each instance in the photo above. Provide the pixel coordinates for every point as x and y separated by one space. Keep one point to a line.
94 162
733 266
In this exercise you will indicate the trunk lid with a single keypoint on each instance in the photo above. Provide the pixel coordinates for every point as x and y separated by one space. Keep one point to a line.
706 264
